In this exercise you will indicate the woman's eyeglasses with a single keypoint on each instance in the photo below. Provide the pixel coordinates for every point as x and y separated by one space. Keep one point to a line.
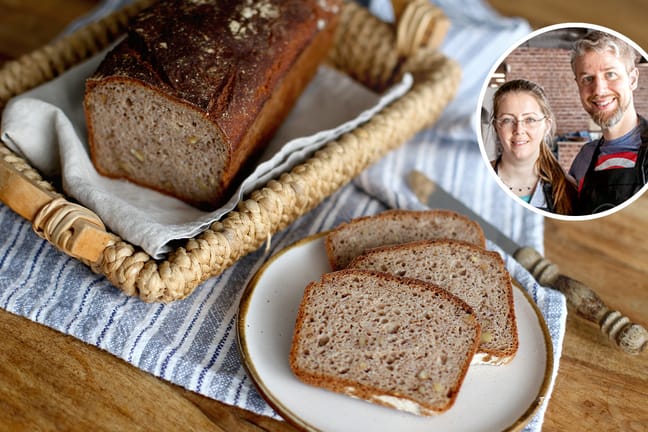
528 122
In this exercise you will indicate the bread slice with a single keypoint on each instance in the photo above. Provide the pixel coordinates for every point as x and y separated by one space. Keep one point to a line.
397 342
473 274
397 226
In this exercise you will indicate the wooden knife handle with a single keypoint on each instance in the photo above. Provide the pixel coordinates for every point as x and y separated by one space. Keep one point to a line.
628 336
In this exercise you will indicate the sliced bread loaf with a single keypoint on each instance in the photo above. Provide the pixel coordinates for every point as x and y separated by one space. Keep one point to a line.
473 274
186 102
397 342
397 226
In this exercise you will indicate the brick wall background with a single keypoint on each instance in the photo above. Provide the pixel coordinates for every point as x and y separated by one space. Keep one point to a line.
550 67
567 151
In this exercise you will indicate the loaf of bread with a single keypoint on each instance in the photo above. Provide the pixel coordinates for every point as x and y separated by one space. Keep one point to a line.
397 342
198 87
351 239
475 275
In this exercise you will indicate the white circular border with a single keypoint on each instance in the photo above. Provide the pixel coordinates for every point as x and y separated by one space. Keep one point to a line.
480 104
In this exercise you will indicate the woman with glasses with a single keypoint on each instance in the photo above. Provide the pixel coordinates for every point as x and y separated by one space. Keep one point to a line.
524 128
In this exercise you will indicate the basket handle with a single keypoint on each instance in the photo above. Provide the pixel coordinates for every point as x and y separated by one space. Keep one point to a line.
70 227
419 24
418 30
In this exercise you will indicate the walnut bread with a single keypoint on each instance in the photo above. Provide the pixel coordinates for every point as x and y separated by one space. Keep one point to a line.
197 88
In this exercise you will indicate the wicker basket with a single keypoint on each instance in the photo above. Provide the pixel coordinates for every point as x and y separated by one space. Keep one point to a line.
369 50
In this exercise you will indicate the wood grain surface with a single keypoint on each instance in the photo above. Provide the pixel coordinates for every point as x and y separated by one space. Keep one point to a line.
50 381
28 24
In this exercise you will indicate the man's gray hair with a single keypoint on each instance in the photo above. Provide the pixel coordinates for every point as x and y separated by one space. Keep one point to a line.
600 41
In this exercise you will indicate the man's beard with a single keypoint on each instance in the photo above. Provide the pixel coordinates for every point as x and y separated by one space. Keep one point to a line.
608 120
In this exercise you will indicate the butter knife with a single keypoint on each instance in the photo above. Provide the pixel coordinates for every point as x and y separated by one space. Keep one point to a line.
630 337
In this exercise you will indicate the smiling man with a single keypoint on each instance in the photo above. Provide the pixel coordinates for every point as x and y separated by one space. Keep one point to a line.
612 169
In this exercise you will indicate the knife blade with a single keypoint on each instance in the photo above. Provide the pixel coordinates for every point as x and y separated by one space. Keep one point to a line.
431 194
628 336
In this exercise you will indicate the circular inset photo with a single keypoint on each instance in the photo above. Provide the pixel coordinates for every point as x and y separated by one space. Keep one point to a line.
563 121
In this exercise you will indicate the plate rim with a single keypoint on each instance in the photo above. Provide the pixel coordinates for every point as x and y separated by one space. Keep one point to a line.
300 423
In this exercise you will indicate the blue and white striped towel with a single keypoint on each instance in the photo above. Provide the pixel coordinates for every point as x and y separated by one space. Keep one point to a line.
192 342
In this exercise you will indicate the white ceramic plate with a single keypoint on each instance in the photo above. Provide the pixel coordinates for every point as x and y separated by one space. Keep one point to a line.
492 398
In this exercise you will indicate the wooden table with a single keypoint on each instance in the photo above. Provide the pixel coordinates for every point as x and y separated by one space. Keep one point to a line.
52 381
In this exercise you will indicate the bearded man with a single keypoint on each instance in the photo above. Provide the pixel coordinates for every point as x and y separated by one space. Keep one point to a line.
612 169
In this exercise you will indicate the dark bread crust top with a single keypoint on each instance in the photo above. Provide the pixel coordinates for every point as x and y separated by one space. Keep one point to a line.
225 70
